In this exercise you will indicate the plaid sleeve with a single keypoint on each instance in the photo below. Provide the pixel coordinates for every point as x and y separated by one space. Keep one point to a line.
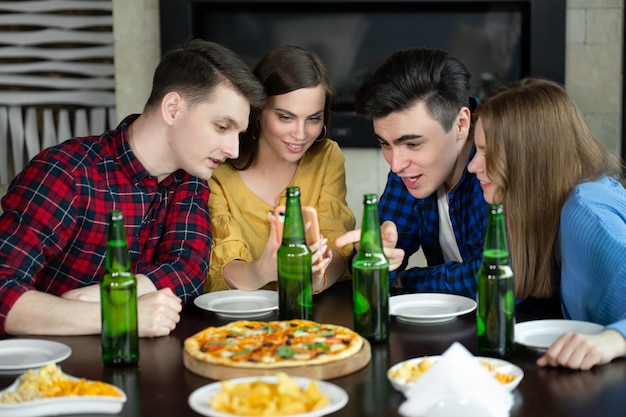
36 224
181 259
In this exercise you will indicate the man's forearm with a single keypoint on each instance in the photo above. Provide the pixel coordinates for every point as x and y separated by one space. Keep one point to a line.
38 313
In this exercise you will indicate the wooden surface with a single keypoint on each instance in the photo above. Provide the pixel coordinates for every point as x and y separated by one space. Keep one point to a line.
321 371
161 384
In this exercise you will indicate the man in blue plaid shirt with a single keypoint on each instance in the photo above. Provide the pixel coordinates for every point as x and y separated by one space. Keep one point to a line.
419 103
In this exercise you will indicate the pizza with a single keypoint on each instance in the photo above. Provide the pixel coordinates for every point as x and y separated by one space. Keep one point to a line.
273 344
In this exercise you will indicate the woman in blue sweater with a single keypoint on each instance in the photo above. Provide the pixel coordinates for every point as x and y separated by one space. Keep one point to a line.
565 212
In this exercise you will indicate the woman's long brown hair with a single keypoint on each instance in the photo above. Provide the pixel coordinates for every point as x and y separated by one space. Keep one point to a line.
538 148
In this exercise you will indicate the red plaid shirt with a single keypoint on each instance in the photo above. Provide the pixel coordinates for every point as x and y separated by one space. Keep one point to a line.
53 231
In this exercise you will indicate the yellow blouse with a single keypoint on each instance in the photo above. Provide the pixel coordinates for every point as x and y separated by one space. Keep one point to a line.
240 219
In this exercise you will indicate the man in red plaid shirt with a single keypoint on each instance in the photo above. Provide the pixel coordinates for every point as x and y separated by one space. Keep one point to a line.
153 167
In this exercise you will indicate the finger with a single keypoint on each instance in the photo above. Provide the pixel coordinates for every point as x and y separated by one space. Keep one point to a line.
571 350
320 267
558 353
591 359
318 255
158 328
389 233
323 242
327 255
170 294
553 358
395 257
352 236
158 318
173 317
543 361
578 352
171 300
273 228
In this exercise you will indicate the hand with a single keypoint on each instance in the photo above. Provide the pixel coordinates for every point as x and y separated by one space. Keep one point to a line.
583 351
252 275
266 266
158 312
389 235
321 256
90 294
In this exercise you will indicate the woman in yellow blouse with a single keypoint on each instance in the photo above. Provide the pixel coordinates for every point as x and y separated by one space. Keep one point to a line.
285 145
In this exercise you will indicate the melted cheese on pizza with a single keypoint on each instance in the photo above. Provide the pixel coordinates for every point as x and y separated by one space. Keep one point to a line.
254 342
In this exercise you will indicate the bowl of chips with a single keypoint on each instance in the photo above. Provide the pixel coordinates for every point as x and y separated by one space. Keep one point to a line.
50 391
403 374
271 395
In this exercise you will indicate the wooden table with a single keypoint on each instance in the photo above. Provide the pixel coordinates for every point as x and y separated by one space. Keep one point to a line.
161 385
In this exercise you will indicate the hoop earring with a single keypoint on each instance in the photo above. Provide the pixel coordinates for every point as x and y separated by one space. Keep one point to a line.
258 127
322 136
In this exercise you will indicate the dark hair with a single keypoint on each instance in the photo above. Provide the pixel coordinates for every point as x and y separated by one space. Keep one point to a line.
194 71
412 75
281 70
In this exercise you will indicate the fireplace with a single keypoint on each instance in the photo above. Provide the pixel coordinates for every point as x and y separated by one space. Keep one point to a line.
499 40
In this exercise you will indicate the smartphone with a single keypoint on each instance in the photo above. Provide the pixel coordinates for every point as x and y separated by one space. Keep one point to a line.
309 215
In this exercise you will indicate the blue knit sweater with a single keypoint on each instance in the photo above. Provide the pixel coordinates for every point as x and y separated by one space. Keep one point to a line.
593 248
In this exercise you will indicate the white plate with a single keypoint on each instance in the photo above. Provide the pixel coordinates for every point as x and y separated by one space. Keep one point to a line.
501 366
62 405
200 398
429 307
239 303
19 355
540 334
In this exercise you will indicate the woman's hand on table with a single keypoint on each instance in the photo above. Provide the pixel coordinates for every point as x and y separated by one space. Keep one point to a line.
583 351
389 235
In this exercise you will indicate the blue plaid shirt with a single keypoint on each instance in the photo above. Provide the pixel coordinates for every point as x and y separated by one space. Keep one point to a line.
418 225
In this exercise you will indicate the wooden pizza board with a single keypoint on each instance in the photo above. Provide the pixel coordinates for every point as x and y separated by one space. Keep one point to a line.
323 371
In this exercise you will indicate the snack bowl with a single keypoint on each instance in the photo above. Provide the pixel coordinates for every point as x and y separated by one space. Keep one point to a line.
404 374
200 399
64 404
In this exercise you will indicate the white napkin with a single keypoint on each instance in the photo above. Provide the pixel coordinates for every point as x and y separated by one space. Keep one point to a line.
458 377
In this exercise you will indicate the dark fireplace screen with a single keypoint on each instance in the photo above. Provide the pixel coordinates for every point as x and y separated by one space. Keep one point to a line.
499 41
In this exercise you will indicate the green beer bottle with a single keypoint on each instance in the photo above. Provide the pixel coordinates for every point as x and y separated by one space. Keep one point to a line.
118 295
295 289
370 278
496 287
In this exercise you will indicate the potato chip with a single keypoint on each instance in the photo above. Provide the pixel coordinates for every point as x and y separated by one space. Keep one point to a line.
412 371
261 398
